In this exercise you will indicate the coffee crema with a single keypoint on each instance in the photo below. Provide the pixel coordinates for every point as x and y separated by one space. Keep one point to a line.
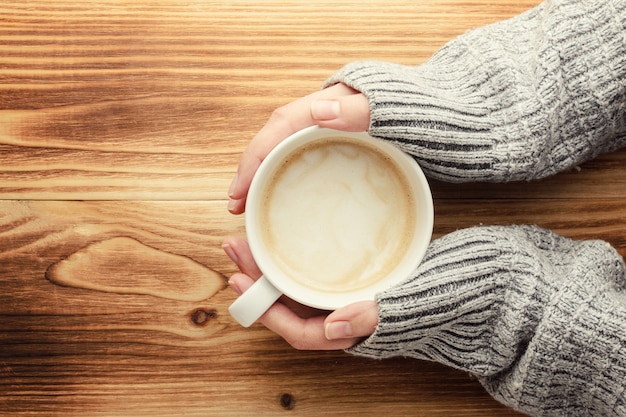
338 215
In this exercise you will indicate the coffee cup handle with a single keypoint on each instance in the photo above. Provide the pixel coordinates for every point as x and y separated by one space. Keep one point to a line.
253 303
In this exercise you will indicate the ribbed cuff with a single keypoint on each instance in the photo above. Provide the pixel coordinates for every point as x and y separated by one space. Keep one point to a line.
520 99
540 319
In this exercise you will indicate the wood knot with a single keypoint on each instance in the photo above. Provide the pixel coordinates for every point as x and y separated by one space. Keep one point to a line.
202 316
287 401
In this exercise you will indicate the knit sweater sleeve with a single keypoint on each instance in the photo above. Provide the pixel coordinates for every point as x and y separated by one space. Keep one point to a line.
539 319
520 99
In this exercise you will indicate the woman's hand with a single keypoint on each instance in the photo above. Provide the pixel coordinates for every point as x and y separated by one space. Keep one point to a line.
337 107
302 327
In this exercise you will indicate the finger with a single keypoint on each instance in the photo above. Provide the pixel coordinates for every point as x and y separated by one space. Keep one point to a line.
240 283
354 321
302 334
341 329
283 122
239 252
349 113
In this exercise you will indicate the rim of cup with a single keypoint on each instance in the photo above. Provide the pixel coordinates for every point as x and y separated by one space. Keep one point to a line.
333 300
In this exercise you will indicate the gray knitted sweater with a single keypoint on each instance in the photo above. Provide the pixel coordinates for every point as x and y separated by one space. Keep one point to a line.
538 318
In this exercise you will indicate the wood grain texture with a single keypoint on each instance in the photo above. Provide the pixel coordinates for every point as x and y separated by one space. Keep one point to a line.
80 350
155 100
121 124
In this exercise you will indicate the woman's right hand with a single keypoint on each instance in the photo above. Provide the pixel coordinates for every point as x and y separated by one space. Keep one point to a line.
337 107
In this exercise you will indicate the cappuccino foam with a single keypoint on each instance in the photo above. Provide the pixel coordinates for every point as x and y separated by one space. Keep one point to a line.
338 215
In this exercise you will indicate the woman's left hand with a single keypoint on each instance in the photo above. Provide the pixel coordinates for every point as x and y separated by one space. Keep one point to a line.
302 327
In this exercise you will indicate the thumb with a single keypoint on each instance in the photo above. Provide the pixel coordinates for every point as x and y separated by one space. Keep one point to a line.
350 113
354 321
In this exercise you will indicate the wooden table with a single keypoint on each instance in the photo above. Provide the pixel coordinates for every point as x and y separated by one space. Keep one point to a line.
121 125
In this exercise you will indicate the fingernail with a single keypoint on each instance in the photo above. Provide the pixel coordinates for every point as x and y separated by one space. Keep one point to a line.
233 186
325 109
231 205
338 330
234 286
230 252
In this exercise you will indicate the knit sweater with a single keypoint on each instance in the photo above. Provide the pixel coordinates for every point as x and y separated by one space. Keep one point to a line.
520 99
538 318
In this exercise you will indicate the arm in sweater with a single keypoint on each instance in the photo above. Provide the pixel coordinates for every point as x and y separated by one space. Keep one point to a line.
520 99
538 318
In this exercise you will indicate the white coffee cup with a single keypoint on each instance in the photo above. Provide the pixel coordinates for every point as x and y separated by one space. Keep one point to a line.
333 218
